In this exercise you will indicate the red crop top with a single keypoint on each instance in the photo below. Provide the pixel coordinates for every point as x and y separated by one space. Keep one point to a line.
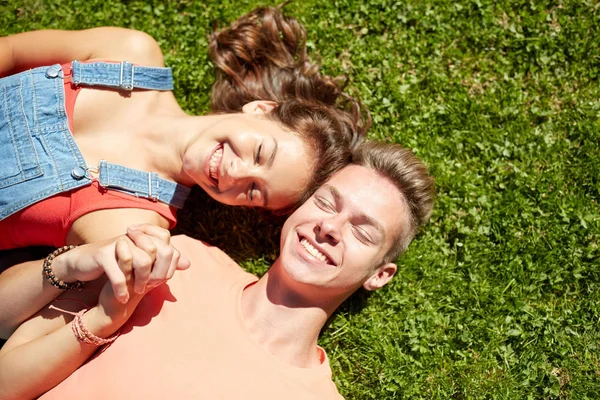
48 222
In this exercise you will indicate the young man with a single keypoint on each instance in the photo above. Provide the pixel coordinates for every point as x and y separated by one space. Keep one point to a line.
217 332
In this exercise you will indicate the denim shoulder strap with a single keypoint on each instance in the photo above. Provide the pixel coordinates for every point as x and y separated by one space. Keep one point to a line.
142 184
123 75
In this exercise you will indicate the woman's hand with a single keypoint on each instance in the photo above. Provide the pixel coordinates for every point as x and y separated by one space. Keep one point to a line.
147 240
155 242
145 250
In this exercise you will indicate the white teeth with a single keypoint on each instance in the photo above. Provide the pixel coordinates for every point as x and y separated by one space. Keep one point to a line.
214 163
313 251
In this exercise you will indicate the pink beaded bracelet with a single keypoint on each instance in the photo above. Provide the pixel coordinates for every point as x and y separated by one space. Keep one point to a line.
85 336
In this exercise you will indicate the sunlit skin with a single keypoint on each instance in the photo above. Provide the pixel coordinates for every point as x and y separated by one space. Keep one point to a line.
330 246
246 159
337 239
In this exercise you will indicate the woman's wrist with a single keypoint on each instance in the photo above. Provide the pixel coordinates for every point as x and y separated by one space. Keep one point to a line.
61 266
112 309
100 324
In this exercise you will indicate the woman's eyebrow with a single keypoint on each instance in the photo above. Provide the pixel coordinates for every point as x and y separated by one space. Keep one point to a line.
273 153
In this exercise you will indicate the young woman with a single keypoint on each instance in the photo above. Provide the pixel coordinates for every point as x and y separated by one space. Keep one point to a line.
92 146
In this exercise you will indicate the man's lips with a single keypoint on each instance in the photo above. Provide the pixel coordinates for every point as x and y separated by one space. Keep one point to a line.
314 250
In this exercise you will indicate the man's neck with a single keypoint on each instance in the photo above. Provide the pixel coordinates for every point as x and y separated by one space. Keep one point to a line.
284 322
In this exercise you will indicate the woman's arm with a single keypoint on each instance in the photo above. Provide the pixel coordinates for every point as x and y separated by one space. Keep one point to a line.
31 49
24 290
48 335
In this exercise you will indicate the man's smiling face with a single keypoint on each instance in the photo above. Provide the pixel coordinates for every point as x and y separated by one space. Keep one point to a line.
338 238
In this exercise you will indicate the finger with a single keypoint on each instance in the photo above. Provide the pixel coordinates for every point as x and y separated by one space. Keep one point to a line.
183 263
125 261
114 271
143 241
153 230
164 258
124 255
174 263
142 266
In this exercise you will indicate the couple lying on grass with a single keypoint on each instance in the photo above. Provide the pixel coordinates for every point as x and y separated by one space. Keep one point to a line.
281 131
213 330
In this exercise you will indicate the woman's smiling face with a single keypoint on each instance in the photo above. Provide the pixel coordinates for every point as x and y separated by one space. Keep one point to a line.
246 159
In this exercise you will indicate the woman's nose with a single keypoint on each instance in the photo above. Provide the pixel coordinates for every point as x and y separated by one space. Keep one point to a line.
238 169
237 172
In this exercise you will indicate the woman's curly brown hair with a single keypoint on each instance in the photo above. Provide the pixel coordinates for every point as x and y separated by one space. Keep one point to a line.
263 56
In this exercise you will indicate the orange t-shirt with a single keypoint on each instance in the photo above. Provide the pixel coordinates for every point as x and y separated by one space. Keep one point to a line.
47 222
187 340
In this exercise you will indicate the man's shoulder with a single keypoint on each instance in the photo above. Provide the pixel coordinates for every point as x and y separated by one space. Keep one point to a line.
193 247
185 240
202 253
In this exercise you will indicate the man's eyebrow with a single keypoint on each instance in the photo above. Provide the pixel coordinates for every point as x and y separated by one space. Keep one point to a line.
369 220
273 154
374 223
334 192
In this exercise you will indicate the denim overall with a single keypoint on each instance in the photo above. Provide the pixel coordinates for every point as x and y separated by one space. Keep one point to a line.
38 155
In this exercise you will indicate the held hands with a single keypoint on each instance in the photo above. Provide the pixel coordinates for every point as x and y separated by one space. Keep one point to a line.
140 260
139 244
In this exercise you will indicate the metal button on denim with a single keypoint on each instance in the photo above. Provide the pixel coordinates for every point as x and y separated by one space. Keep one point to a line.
53 71
78 173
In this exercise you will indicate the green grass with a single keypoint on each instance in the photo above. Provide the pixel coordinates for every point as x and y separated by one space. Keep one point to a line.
499 297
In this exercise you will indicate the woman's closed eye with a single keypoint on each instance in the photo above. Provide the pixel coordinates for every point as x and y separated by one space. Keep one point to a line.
254 195
258 154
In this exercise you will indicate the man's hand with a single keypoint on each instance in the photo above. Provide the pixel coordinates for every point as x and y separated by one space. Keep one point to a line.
145 251
148 240
155 242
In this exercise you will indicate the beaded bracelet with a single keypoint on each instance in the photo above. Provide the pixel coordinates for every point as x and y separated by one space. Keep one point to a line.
49 274
85 336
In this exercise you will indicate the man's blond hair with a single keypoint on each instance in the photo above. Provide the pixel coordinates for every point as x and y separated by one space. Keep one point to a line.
408 173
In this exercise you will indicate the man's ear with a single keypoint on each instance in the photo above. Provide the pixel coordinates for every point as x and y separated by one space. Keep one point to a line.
381 276
259 107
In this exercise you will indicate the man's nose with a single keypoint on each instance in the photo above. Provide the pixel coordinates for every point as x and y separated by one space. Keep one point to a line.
330 228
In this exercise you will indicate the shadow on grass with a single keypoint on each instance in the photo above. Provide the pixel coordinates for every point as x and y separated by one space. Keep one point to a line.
16 256
353 305
244 234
